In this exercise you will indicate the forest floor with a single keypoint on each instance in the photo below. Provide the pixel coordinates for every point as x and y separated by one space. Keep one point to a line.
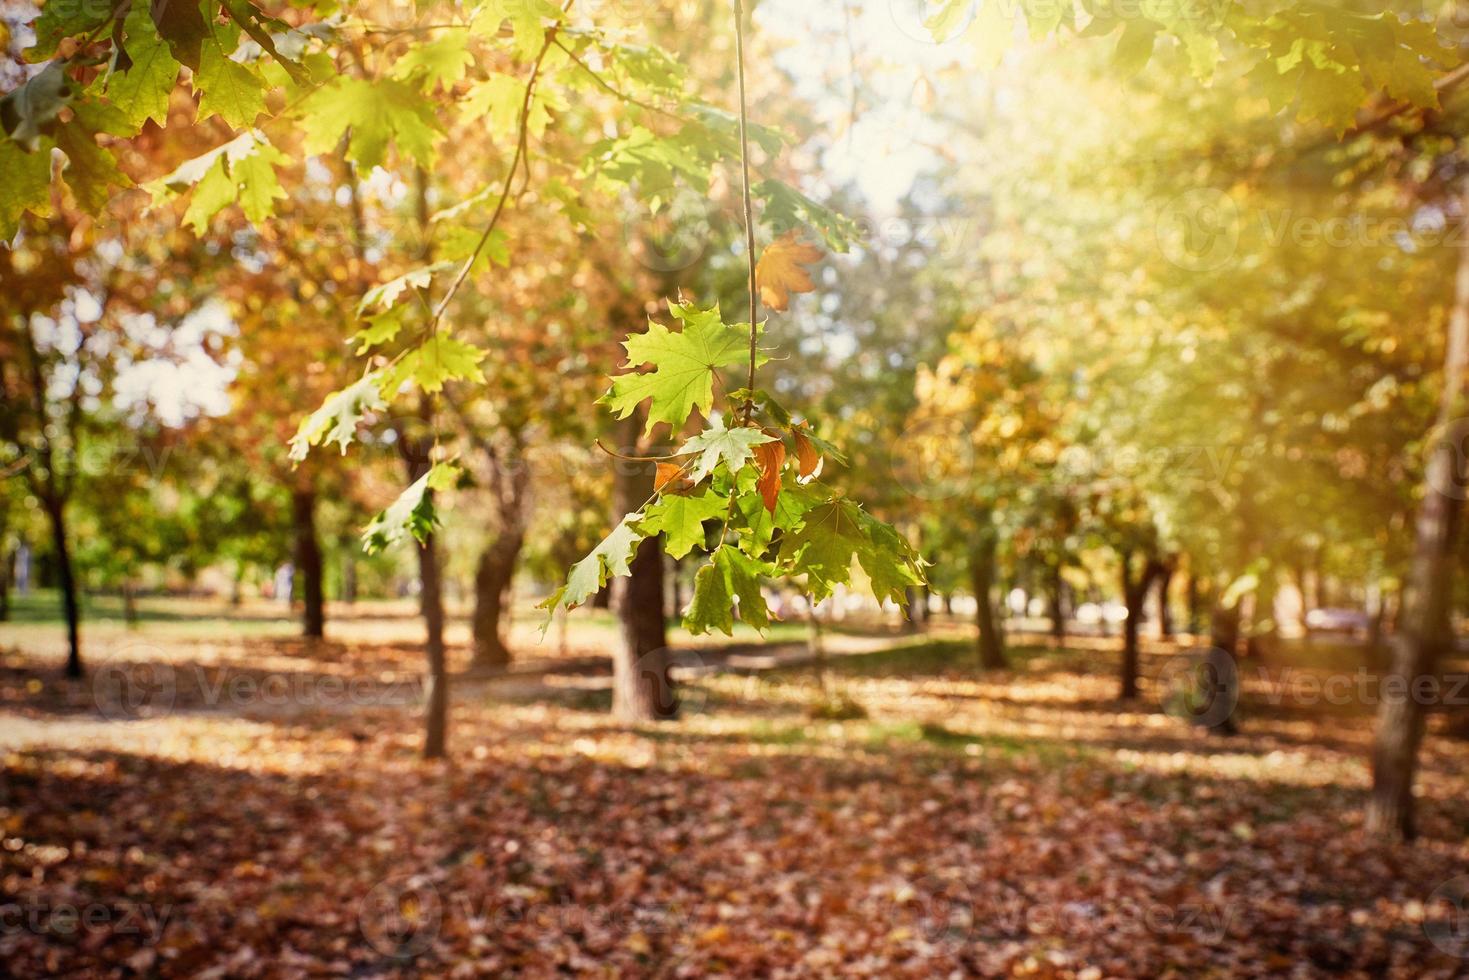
253 805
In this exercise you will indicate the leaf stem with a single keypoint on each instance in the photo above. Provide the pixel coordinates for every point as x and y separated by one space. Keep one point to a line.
739 7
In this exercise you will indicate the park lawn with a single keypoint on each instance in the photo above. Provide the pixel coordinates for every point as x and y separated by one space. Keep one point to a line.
265 813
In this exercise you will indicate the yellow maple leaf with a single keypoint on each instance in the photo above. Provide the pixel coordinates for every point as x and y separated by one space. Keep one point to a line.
780 270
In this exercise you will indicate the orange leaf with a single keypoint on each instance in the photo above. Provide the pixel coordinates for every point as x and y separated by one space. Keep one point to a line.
668 473
807 458
770 457
781 271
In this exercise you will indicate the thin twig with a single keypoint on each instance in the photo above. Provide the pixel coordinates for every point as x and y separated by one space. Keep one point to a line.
612 89
739 7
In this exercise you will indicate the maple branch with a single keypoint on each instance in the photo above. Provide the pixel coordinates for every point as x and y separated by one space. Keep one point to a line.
739 6
632 459
614 90
522 137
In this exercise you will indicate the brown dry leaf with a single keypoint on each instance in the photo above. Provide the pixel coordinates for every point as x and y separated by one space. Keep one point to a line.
808 459
669 473
781 271
770 457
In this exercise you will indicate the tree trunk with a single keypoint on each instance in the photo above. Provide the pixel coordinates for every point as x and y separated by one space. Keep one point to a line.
349 573
1224 628
1424 605
1165 611
492 580
7 565
1192 600
982 570
436 696
66 580
1134 595
307 558
129 604
1056 601
916 603
641 687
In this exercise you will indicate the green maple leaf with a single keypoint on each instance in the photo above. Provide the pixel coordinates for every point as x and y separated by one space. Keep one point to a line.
381 329
90 169
385 295
376 112
682 519
27 184
526 23
336 420
227 88
413 513
716 444
834 533
729 574
434 363
241 171
759 524
823 546
684 365
142 91
441 62
613 557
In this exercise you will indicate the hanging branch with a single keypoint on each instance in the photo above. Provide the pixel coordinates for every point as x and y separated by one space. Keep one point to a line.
739 6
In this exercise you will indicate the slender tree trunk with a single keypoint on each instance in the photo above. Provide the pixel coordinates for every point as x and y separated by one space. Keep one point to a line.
1134 595
1224 628
436 696
913 622
492 580
982 570
307 558
1424 610
66 579
1165 610
1057 610
349 573
1192 600
641 687
129 603
7 567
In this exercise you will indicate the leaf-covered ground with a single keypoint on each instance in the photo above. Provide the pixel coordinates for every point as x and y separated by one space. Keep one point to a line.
260 810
